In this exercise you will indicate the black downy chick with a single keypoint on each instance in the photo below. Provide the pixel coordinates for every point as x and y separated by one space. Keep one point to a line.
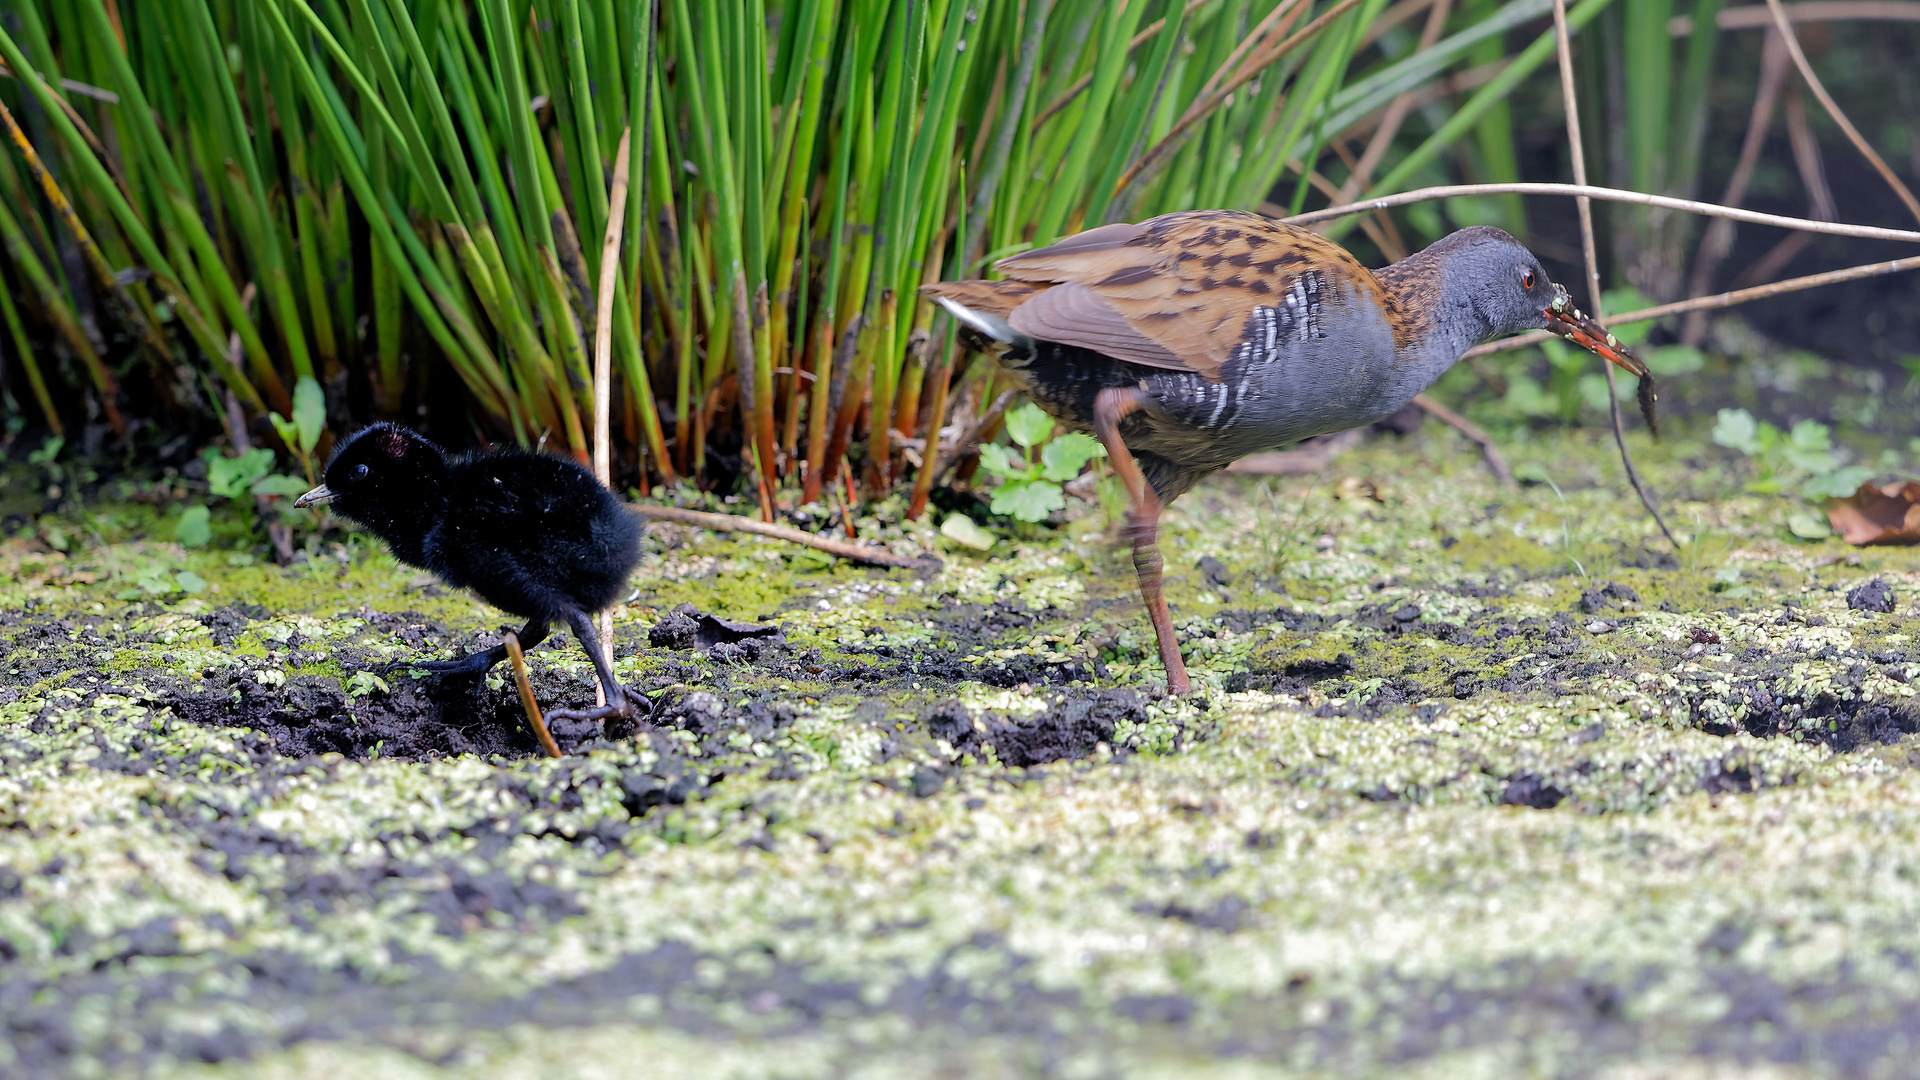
534 535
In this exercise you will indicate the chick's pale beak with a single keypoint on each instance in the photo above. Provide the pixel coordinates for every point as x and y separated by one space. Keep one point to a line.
1574 325
319 496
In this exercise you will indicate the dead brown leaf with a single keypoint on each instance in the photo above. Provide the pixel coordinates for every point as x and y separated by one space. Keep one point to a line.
1878 514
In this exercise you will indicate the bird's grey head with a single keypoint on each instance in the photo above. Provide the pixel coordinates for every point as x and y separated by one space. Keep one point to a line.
1493 279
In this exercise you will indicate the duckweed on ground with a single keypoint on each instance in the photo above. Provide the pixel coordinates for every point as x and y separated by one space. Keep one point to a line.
1476 782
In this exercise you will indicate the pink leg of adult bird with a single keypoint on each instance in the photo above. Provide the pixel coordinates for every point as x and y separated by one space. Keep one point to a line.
1110 407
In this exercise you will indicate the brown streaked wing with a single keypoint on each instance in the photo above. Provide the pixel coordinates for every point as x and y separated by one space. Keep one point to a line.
997 298
1069 255
1185 284
1077 315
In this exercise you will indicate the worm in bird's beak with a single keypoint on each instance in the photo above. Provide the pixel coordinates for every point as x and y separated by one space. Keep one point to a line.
1574 325
319 496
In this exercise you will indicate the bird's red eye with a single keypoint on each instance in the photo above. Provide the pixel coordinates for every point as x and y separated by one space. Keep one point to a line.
1526 281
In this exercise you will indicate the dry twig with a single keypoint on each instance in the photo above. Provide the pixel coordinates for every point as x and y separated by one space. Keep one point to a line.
1719 300
603 358
1585 204
735 523
1309 459
1859 141
1496 464
1718 242
1204 105
1756 16
527 701
1607 194
1397 111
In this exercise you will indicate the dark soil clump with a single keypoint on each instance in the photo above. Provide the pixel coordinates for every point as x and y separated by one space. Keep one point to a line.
686 627
1073 726
1875 595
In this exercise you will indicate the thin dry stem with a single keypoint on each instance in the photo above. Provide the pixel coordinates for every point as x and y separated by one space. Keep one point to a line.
1205 104
1266 26
73 86
1785 26
1719 300
603 356
1585 204
1607 194
1813 175
735 523
975 430
527 702
1756 16
1496 464
1397 111
1718 242
1311 458
1389 19
1080 85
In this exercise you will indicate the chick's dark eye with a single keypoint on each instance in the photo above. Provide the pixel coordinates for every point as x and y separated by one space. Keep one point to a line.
1526 281
359 472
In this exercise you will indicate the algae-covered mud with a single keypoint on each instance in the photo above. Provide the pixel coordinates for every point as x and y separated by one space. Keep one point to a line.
1476 782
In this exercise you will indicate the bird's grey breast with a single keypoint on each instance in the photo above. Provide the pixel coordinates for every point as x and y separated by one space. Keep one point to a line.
1317 359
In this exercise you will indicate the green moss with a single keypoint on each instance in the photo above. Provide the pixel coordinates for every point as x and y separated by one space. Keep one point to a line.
1504 804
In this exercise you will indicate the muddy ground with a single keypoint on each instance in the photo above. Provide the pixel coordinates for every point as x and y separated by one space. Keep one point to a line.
1476 781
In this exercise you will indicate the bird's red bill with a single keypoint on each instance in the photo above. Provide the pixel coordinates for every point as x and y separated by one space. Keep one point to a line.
1576 326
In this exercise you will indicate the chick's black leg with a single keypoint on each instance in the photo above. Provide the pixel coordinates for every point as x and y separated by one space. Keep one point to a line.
481 662
616 705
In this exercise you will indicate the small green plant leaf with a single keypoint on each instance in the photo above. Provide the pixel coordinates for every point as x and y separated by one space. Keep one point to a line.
1028 424
1810 435
1808 447
1593 390
1025 500
1526 397
48 451
1562 357
1531 472
1062 459
1628 299
193 529
279 484
1670 360
962 529
289 431
153 580
1735 429
309 412
1002 462
365 683
230 477
189 582
1817 462
1808 525
1838 484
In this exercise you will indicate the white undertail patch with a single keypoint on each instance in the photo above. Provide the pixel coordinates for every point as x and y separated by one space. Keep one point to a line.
991 326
